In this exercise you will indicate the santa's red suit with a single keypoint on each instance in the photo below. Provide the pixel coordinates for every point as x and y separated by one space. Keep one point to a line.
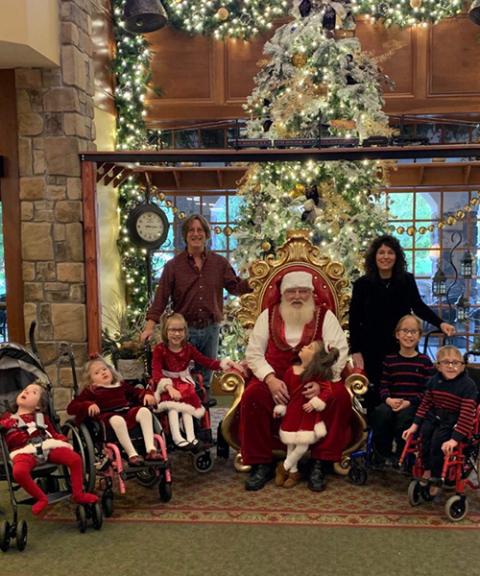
169 367
18 432
273 347
119 399
297 425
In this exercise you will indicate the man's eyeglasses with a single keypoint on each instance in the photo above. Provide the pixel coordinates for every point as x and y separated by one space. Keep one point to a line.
452 363
412 331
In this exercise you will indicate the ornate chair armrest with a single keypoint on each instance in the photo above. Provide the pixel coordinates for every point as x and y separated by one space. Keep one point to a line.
356 381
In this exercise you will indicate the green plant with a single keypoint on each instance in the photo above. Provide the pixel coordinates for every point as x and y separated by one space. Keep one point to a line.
121 334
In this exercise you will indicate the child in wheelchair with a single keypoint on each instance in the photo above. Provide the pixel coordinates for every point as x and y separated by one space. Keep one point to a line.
119 406
32 439
175 389
445 420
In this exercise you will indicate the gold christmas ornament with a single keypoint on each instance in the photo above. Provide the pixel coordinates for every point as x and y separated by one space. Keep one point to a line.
451 220
169 203
266 246
441 225
299 60
474 201
161 196
460 214
416 4
174 209
227 231
297 190
217 230
223 14
400 230
422 230
411 230
431 228
181 215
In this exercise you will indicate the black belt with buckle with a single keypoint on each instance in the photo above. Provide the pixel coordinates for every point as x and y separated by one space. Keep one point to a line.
200 323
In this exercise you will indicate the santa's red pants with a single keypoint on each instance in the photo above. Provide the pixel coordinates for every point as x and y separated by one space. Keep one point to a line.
259 429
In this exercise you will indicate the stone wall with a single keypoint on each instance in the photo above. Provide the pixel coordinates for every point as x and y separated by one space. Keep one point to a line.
55 118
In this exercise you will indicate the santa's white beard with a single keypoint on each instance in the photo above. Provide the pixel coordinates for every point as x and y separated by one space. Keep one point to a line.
297 317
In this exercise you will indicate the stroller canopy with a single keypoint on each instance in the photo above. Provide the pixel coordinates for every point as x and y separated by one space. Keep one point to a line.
18 368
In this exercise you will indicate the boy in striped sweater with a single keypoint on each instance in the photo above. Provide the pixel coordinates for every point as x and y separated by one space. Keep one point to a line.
446 413
404 381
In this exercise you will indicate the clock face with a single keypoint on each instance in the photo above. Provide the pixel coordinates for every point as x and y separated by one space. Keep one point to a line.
150 226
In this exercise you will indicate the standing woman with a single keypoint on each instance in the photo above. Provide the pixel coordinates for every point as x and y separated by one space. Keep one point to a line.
380 298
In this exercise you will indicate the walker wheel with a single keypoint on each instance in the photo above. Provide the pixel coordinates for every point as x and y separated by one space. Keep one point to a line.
203 462
165 490
456 507
21 536
357 475
414 493
81 518
97 515
107 503
4 536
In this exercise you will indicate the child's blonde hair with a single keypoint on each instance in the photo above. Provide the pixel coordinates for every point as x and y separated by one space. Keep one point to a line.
445 351
86 377
407 317
166 319
320 366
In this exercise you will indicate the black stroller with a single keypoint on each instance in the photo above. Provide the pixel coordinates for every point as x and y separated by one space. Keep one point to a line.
19 367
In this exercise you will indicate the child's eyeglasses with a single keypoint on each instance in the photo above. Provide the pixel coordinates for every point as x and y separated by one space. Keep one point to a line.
452 363
411 331
178 330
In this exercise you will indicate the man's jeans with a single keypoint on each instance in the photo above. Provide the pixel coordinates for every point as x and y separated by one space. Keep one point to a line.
205 341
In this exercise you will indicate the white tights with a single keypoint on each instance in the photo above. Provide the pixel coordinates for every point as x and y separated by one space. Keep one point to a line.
294 453
174 422
119 426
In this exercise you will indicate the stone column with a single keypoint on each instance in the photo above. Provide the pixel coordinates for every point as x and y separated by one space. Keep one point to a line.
55 116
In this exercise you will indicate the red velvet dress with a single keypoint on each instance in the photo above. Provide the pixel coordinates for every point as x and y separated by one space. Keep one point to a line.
121 399
298 426
177 367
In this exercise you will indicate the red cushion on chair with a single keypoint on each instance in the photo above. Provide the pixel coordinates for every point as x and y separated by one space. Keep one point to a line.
322 290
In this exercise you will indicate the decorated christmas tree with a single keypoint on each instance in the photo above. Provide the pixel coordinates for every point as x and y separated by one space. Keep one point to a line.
315 82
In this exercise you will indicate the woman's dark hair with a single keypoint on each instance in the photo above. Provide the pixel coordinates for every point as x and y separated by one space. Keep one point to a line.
400 266
320 366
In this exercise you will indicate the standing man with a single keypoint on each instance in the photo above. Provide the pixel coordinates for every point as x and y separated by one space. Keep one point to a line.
279 334
194 282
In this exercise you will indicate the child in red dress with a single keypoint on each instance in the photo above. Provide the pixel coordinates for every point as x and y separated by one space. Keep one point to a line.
119 405
32 439
175 388
302 424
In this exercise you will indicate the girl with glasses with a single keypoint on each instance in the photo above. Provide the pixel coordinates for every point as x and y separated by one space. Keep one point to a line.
403 383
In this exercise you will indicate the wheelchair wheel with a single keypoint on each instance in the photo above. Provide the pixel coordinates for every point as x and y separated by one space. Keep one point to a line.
83 444
4 536
357 475
456 508
415 493
97 516
203 462
107 503
81 514
165 489
22 535
147 477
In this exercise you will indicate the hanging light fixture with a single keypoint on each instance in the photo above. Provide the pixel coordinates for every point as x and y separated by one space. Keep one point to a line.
144 16
439 283
474 12
466 265
462 306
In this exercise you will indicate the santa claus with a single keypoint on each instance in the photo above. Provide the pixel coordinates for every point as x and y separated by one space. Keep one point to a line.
278 335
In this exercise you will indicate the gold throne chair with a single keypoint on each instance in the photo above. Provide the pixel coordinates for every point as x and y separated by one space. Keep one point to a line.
331 291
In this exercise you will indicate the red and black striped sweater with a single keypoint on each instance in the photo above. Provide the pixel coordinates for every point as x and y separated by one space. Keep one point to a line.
457 396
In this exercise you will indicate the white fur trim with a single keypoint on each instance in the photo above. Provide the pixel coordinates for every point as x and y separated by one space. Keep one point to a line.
225 363
47 445
180 407
279 410
317 404
298 279
161 387
304 436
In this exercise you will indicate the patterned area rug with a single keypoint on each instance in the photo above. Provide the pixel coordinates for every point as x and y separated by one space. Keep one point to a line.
219 497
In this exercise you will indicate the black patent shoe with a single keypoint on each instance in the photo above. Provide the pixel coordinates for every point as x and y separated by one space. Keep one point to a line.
316 480
259 476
